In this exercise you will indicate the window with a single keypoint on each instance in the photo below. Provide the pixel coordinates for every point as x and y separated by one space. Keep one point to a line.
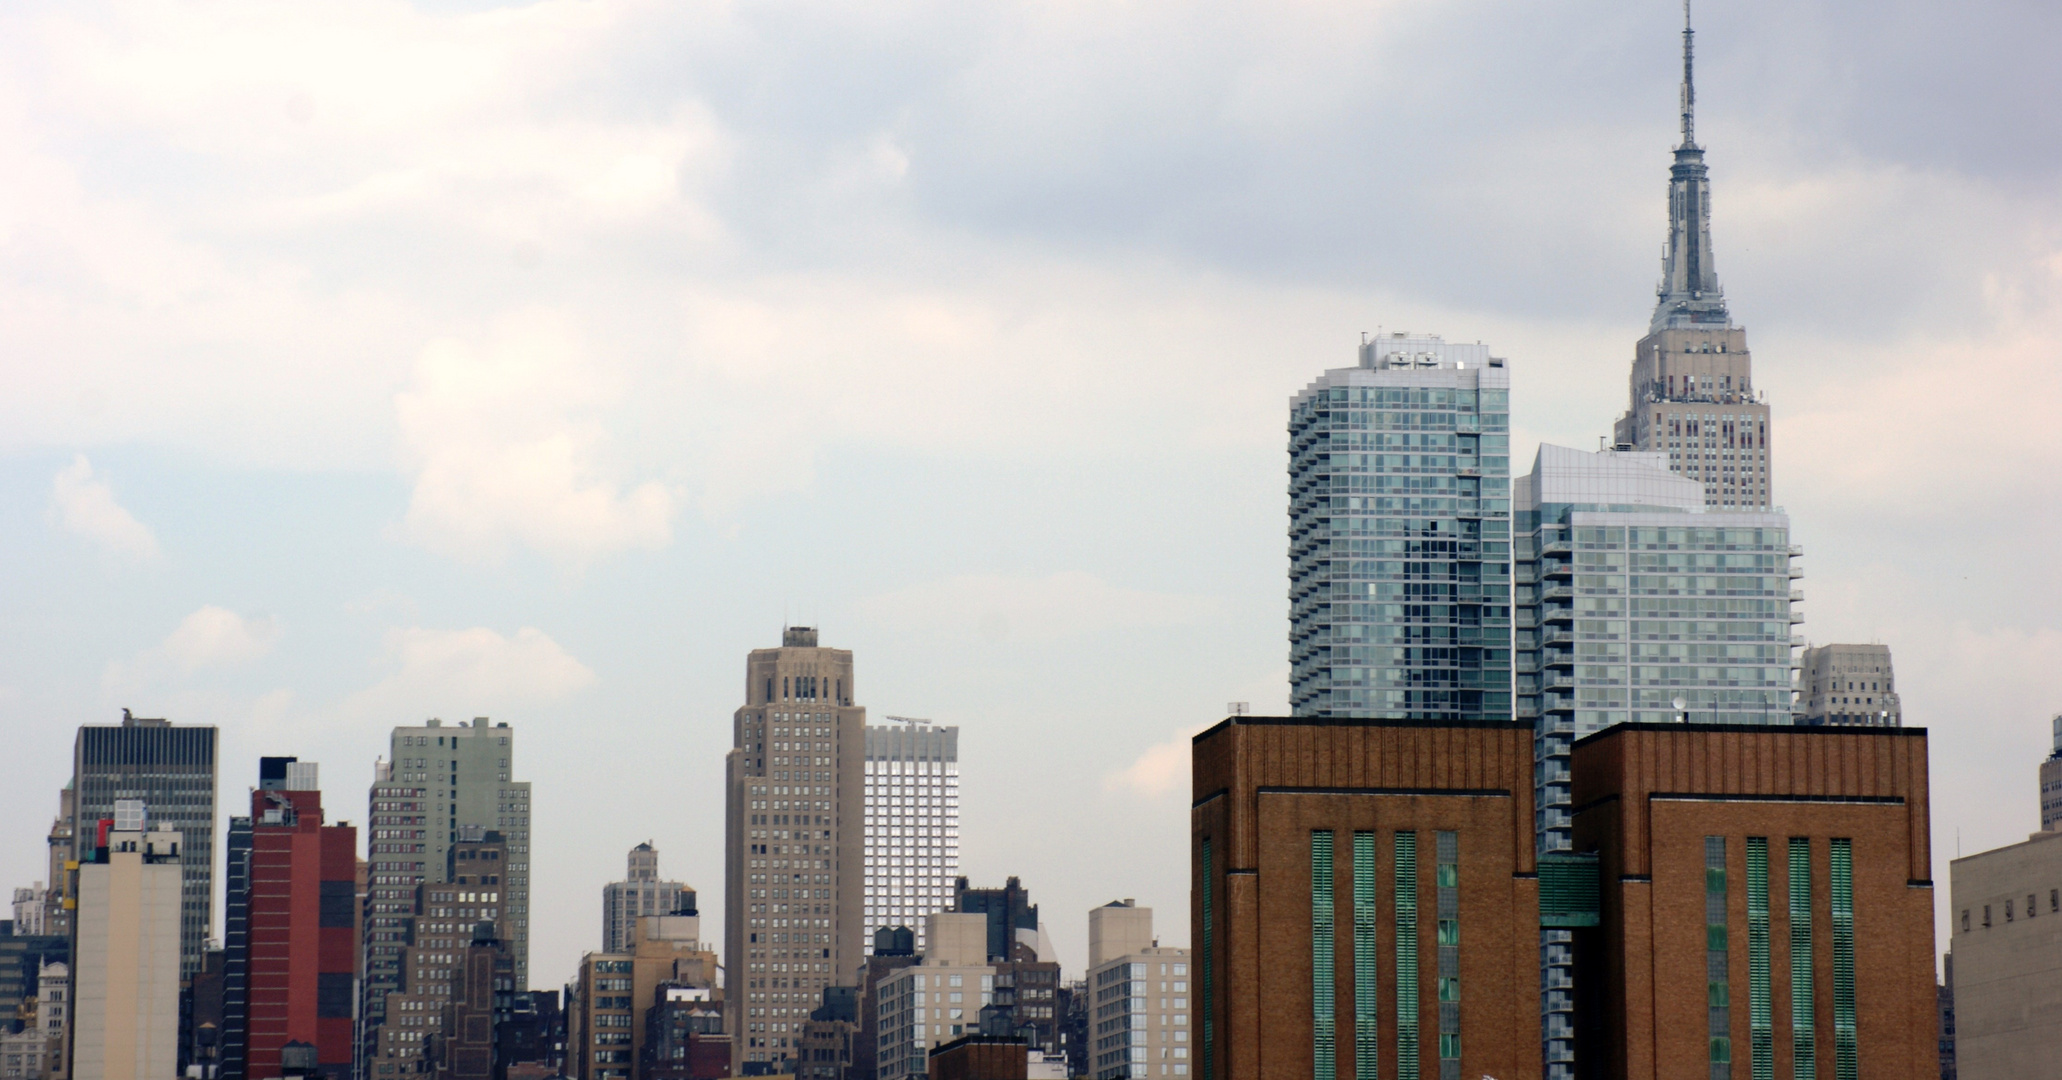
1845 1065
1803 1015
1406 916
1324 972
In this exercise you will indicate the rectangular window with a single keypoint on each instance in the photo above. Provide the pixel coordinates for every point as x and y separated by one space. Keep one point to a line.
1209 967
1366 1029
1717 990
1448 882
1761 1018
1324 971
1406 908
1803 1010
1842 879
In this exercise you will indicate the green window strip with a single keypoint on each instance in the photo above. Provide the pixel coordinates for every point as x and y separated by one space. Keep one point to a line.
1406 907
1324 971
1366 1018
1719 1012
1209 969
1842 880
1761 1033
1803 1007
1447 880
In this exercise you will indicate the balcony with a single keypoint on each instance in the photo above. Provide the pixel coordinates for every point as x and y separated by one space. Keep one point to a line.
1557 658
1563 592
1557 680
1553 568
1797 596
1558 635
1556 547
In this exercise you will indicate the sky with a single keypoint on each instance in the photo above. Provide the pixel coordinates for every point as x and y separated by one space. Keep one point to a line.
364 361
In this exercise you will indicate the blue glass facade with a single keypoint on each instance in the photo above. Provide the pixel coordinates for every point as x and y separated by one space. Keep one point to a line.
1400 535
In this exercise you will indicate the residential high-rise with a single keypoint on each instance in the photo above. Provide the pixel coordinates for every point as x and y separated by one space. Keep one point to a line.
893 949
125 969
1138 996
437 936
437 785
2051 782
1767 908
1692 382
1399 535
639 895
298 972
170 768
1364 900
36 1052
936 1000
912 823
793 877
611 1008
1848 685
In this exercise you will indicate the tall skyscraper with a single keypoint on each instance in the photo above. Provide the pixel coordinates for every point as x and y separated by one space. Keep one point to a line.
1633 596
1846 685
171 769
1693 393
299 926
1399 535
793 881
640 894
125 974
912 823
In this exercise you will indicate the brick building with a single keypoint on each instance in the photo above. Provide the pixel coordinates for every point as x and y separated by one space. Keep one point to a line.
1364 886
1727 851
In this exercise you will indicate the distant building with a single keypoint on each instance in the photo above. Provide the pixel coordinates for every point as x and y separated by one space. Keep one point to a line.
465 906
36 1050
684 1037
979 1057
125 974
1399 535
935 1001
828 1036
1946 991
2005 915
1364 901
171 768
1012 918
1766 908
1849 685
1138 996
617 999
912 823
794 871
300 936
894 948
2051 782
639 894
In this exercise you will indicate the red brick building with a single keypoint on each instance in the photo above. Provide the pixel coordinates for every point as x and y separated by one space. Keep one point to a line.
303 925
1363 887
1766 898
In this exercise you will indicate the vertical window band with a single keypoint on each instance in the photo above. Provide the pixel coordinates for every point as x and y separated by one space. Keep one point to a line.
1406 908
1842 881
1448 883
1803 1008
1324 970
1717 990
1761 1014
1366 1020
1209 970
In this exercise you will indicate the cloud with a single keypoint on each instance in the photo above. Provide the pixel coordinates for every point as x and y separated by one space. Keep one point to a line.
502 456
466 672
1161 770
216 636
86 506
1061 605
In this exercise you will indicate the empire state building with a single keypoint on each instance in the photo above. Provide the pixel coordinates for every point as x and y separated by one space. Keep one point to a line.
1693 392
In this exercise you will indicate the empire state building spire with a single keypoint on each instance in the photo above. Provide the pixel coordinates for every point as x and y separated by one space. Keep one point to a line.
1689 294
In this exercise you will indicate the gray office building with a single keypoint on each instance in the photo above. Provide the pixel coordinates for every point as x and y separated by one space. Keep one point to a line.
171 769
912 824
1848 686
1399 535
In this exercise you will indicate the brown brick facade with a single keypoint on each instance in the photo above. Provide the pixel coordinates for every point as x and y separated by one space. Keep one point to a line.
1262 787
1648 795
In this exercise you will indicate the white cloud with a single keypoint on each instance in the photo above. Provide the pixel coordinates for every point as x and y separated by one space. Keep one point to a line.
1061 605
216 636
502 455
1161 770
461 673
86 505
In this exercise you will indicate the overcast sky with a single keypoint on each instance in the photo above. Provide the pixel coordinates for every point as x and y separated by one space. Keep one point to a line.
366 362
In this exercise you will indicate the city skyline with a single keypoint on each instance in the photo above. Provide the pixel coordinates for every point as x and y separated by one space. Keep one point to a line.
1116 378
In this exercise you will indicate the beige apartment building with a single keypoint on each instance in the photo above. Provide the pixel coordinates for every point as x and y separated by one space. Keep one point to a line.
1138 996
794 858
2006 927
937 1000
612 1000
125 987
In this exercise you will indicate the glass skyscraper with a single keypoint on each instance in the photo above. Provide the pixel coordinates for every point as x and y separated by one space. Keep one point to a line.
1400 535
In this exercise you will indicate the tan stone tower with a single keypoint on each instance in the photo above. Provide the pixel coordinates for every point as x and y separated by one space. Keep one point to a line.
794 869
1693 392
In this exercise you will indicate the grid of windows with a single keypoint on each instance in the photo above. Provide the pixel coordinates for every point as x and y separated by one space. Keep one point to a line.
912 826
1406 908
1399 536
1448 851
1803 1011
1716 986
1324 972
